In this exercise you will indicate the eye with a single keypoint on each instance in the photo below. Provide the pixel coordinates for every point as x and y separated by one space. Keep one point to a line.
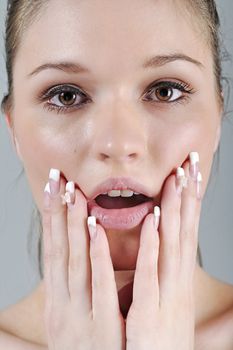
67 98
168 91
166 94
63 98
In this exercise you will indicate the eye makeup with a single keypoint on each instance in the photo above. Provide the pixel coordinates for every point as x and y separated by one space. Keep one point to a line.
66 91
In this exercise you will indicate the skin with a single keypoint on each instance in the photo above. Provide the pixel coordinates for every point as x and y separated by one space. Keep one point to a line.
117 133
145 134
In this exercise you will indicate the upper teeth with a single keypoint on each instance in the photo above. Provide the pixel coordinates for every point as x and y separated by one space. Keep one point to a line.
122 193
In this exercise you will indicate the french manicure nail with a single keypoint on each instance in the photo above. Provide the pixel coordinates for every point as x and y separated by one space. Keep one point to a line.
194 164
47 196
54 181
180 180
156 217
69 195
47 188
91 221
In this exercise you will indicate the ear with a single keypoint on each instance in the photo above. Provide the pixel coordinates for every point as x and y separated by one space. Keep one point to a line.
14 141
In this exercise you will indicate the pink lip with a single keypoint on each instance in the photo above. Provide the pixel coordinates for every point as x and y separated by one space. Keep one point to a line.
121 219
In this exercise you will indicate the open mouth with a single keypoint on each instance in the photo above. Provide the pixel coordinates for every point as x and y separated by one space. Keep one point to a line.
104 201
120 212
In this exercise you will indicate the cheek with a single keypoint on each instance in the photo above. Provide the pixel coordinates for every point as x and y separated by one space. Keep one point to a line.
46 147
171 144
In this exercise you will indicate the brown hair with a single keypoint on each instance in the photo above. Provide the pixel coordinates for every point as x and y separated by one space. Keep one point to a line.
20 13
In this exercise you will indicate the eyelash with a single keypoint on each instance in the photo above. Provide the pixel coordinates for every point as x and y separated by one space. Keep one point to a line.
54 91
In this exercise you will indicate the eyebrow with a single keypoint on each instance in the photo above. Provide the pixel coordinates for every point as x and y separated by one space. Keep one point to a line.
161 60
153 62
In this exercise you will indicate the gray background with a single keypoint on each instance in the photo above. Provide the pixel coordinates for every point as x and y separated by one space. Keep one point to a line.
18 273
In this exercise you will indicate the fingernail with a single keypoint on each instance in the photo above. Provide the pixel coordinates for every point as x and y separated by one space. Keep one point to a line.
54 181
180 179
194 164
47 188
68 197
156 217
199 181
91 221
46 196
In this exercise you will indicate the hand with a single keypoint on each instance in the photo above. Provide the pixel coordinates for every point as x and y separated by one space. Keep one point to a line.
161 315
82 309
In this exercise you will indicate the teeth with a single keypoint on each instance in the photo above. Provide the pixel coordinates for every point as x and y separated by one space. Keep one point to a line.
126 193
122 193
114 193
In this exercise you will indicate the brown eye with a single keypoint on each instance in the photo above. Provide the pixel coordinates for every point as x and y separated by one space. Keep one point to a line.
163 93
67 98
168 92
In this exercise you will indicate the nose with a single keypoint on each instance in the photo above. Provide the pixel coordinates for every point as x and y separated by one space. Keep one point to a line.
121 135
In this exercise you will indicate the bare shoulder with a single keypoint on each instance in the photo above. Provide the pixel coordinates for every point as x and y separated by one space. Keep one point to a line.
217 332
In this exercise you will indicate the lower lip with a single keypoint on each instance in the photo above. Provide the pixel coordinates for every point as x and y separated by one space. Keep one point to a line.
120 219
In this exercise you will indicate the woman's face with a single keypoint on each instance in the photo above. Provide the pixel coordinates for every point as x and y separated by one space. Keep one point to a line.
124 129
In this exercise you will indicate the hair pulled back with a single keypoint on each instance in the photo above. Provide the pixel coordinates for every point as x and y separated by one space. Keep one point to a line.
21 13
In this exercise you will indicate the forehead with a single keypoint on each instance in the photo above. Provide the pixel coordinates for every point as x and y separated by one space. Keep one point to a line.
114 35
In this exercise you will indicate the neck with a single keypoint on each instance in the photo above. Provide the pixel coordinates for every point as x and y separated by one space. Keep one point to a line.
124 283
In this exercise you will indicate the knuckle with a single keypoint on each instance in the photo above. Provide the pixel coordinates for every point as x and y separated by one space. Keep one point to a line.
58 209
189 238
57 253
46 212
75 262
173 250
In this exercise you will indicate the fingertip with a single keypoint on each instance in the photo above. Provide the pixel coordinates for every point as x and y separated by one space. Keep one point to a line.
92 229
156 217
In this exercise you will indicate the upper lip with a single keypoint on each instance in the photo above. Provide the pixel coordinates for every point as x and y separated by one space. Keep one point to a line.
119 183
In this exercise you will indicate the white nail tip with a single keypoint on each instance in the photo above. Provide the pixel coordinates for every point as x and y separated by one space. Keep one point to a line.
199 177
91 221
156 211
67 197
47 188
180 172
54 174
70 187
194 157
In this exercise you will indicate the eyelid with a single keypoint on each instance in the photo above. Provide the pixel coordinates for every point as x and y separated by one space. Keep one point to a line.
52 91
171 83
181 86
56 89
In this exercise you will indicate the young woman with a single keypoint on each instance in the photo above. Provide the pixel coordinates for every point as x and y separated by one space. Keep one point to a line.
121 104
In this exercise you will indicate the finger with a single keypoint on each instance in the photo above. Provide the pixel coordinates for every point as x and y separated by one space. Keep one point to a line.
79 259
104 291
46 223
190 216
169 252
145 286
58 253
